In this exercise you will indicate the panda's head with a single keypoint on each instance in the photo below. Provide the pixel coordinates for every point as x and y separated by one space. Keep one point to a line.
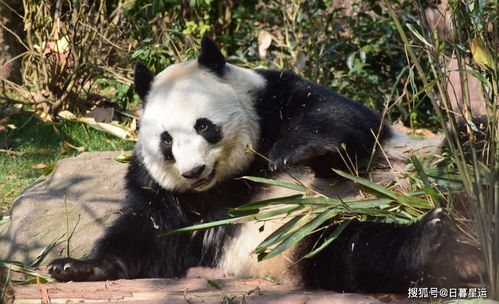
198 120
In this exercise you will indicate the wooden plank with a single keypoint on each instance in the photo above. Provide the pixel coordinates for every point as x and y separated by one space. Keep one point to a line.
189 290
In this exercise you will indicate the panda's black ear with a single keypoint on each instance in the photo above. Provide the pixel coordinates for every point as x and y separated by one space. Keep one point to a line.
142 80
211 57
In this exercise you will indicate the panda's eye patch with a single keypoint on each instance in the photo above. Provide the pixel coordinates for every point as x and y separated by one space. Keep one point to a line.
210 131
166 145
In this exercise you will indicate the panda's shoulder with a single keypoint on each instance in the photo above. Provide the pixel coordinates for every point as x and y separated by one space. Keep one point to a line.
276 79
287 83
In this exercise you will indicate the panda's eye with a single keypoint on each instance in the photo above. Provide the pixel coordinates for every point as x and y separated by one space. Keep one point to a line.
166 138
207 129
202 125
165 145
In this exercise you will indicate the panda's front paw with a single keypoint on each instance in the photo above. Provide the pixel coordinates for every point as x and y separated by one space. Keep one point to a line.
68 269
287 153
435 227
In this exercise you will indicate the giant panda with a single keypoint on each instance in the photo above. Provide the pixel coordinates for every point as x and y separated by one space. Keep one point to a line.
204 124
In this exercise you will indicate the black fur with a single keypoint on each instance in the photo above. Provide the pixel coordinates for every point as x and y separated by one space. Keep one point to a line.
211 57
301 123
142 80
378 257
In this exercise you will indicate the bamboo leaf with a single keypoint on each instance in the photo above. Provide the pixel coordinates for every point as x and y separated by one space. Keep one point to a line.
418 35
380 190
214 284
369 203
299 235
255 207
367 183
17 267
235 212
440 174
43 254
280 234
427 87
485 173
424 178
414 202
476 75
264 203
205 225
272 213
333 236
242 219
293 186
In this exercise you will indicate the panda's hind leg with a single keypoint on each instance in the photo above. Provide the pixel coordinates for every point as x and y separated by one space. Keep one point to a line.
378 257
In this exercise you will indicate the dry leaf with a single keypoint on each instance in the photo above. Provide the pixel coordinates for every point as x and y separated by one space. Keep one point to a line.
39 166
481 54
67 115
264 42
44 116
66 145
106 127
133 125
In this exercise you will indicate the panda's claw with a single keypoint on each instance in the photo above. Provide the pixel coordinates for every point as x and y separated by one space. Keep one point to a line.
68 269
67 266
275 166
281 156
436 219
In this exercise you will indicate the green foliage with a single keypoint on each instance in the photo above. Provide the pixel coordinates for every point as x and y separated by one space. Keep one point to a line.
473 163
352 49
156 56
34 146
35 277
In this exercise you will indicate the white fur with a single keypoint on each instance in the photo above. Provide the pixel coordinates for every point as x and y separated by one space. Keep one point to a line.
180 95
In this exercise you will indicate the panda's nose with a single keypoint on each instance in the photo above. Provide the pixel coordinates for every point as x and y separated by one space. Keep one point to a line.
194 173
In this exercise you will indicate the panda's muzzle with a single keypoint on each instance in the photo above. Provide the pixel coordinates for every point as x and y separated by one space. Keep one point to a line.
194 173
206 180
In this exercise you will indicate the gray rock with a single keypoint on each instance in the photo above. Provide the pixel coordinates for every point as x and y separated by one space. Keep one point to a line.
80 198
